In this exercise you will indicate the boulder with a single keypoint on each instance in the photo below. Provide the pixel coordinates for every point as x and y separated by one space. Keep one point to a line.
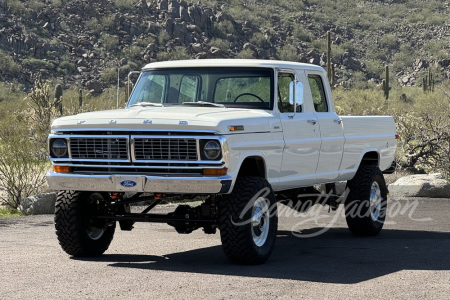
94 85
427 185
39 204
197 48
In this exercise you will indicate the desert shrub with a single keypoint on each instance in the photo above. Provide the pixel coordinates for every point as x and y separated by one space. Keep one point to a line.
288 52
223 28
110 42
389 41
300 34
133 52
104 101
17 7
109 75
35 63
143 42
21 173
423 123
107 22
43 112
375 67
246 54
7 64
163 37
66 67
438 48
403 59
220 43
124 4
260 40
178 53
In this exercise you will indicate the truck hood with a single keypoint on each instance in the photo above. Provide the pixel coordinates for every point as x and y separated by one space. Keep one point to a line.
173 117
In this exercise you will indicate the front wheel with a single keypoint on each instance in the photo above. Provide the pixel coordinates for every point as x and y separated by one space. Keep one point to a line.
248 221
79 232
366 204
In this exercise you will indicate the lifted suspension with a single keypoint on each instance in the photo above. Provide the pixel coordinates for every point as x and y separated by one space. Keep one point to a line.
184 218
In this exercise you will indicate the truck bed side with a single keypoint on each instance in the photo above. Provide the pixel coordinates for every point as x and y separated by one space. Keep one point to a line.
367 134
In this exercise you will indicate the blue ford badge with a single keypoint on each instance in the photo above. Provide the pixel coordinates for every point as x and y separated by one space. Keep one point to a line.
128 183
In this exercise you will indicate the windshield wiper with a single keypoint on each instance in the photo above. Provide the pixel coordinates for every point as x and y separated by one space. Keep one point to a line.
147 104
204 103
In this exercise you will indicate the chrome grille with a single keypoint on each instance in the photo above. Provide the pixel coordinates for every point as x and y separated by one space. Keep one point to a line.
99 148
165 149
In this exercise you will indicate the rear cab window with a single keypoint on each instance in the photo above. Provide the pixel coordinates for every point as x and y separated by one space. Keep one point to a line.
318 93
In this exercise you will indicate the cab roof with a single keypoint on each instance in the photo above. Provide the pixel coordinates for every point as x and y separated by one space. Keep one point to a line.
232 63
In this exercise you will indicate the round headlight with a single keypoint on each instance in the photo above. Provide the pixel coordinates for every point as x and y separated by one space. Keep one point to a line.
211 150
59 148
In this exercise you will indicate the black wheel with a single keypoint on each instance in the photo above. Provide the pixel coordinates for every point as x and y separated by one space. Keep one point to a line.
366 204
79 232
248 94
248 221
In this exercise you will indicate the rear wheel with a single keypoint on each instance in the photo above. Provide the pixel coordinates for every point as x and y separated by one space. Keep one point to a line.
366 204
79 232
248 221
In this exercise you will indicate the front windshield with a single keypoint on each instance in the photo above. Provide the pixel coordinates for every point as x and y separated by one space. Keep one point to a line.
231 87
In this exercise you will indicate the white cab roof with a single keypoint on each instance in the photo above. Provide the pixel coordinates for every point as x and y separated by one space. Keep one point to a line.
232 63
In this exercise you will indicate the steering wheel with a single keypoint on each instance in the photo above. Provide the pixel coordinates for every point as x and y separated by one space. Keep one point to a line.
248 94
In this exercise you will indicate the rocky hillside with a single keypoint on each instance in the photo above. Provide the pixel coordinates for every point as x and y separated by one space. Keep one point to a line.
83 42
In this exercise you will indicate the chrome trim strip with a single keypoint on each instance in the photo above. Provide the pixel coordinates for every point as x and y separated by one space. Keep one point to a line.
58 162
88 160
155 184
197 137
218 166
55 130
95 136
197 144
133 148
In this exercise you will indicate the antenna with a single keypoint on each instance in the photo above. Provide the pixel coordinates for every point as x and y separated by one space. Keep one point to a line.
118 82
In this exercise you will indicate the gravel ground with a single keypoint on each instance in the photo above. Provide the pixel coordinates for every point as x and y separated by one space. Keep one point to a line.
410 259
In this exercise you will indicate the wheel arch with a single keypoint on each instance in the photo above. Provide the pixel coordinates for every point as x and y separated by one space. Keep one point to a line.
370 157
253 165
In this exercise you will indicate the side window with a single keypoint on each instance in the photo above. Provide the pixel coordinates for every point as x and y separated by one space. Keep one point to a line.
286 82
318 93
285 92
189 87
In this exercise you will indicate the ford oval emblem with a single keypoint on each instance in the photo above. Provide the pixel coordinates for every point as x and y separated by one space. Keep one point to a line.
128 183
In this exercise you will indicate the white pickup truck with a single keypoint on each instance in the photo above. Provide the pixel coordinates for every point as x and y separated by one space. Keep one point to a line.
239 135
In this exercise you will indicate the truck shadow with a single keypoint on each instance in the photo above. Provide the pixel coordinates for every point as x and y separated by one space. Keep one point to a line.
333 257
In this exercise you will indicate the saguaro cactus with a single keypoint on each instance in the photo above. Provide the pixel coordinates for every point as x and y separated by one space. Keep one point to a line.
329 67
428 82
385 83
80 97
58 98
333 74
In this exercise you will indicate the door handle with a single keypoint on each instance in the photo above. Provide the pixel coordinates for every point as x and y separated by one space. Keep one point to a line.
312 122
339 121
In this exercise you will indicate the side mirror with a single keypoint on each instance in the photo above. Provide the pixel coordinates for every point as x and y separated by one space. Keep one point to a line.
291 93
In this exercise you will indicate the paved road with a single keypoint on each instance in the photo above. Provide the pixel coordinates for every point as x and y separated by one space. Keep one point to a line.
410 259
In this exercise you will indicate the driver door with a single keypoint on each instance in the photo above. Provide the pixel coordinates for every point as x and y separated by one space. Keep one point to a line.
300 130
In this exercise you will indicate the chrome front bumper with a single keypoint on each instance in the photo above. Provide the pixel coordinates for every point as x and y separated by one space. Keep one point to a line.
136 183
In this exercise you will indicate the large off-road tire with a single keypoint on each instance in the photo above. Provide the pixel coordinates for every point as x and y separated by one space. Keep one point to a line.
366 204
248 221
79 232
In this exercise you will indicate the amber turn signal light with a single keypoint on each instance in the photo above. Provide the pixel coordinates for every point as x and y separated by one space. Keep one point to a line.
61 169
216 172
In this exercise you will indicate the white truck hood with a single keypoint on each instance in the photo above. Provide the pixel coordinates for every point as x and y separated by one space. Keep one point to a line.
173 117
